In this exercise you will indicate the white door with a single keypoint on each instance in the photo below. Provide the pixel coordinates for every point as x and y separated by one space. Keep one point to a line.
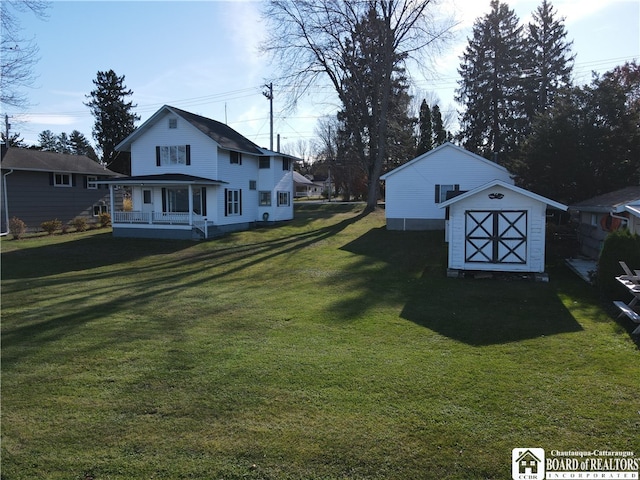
496 236
147 200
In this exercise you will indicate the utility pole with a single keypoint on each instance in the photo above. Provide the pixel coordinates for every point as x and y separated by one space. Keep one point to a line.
7 126
269 94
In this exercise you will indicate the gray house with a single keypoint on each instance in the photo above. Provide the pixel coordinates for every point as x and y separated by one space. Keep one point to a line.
40 186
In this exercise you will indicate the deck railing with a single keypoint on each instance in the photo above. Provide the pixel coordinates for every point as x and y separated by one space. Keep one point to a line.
171 218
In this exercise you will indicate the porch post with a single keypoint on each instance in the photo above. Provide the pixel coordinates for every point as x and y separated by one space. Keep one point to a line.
190 205
111 203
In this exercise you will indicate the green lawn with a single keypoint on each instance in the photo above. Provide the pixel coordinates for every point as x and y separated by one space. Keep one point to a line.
327 348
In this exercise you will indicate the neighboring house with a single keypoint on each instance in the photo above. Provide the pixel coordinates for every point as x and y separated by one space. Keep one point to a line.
305 187
415 190
41 186
598 216
195 177
497 227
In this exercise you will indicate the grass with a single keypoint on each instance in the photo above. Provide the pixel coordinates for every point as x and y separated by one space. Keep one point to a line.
327 348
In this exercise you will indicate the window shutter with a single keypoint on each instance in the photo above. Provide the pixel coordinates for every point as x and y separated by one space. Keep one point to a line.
85 181
203 197
157 156
437 193
50 178
73 179
240 201
226 202
164 199
456 187
188 154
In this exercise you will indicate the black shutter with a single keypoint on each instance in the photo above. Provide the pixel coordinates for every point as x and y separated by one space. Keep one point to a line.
226 202
51 178
240 200
85 181
437 193
157 156
203 199
164 199
188 153
73 179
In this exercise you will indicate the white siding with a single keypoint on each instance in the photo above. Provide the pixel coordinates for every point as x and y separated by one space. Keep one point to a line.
536 218
410 192
203 150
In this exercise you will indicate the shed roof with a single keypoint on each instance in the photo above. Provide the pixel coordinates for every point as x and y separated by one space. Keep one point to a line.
494 183
444 146
38 161
615 201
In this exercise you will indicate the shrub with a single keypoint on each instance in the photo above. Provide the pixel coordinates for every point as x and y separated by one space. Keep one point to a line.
127 205
17 228
618 246
51 226
104 219
79 223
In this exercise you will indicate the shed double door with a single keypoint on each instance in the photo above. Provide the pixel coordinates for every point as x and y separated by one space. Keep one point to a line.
496 236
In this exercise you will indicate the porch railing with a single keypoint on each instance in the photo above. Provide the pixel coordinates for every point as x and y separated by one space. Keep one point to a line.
167 218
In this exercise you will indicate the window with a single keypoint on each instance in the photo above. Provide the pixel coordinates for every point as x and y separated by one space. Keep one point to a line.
173 123
173 155
265 162
286 164
252 185
98 209
443 190
62 179
235 158
146 197
91 182
265 198
233 202
283 199
177 200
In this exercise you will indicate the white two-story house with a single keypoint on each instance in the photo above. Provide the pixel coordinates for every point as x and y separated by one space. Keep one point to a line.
195 177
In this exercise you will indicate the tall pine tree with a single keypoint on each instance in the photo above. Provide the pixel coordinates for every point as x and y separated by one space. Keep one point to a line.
114 118
549 61
440 134
490 88
425 141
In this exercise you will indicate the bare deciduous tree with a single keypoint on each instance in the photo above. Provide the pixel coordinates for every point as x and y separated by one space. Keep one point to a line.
18 55
318 40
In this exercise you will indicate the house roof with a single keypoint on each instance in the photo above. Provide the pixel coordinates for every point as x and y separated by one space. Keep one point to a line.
163 179
222 134
446 145
301 179
500 183
39 161
613 201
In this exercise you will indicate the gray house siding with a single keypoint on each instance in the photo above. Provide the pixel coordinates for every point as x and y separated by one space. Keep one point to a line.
33 198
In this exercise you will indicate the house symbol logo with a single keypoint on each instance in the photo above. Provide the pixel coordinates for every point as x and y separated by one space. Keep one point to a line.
527 464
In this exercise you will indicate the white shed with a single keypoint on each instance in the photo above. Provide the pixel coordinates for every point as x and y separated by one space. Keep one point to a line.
497 227
415 190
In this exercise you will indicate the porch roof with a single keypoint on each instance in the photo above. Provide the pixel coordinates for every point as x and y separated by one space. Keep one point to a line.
163 179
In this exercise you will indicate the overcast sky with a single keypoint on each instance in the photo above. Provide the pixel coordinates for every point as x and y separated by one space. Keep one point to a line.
203 56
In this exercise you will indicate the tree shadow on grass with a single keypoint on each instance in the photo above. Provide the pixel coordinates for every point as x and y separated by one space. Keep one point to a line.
476 312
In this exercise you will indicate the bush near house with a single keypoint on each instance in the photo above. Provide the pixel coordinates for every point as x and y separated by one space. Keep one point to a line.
104 219
79 223
620 245
17 228
51 226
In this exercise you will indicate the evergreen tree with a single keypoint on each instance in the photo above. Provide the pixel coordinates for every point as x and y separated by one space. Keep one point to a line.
13 141
440 134
426 129
114 118
79 145
549 59
62 143
48 141
490 87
